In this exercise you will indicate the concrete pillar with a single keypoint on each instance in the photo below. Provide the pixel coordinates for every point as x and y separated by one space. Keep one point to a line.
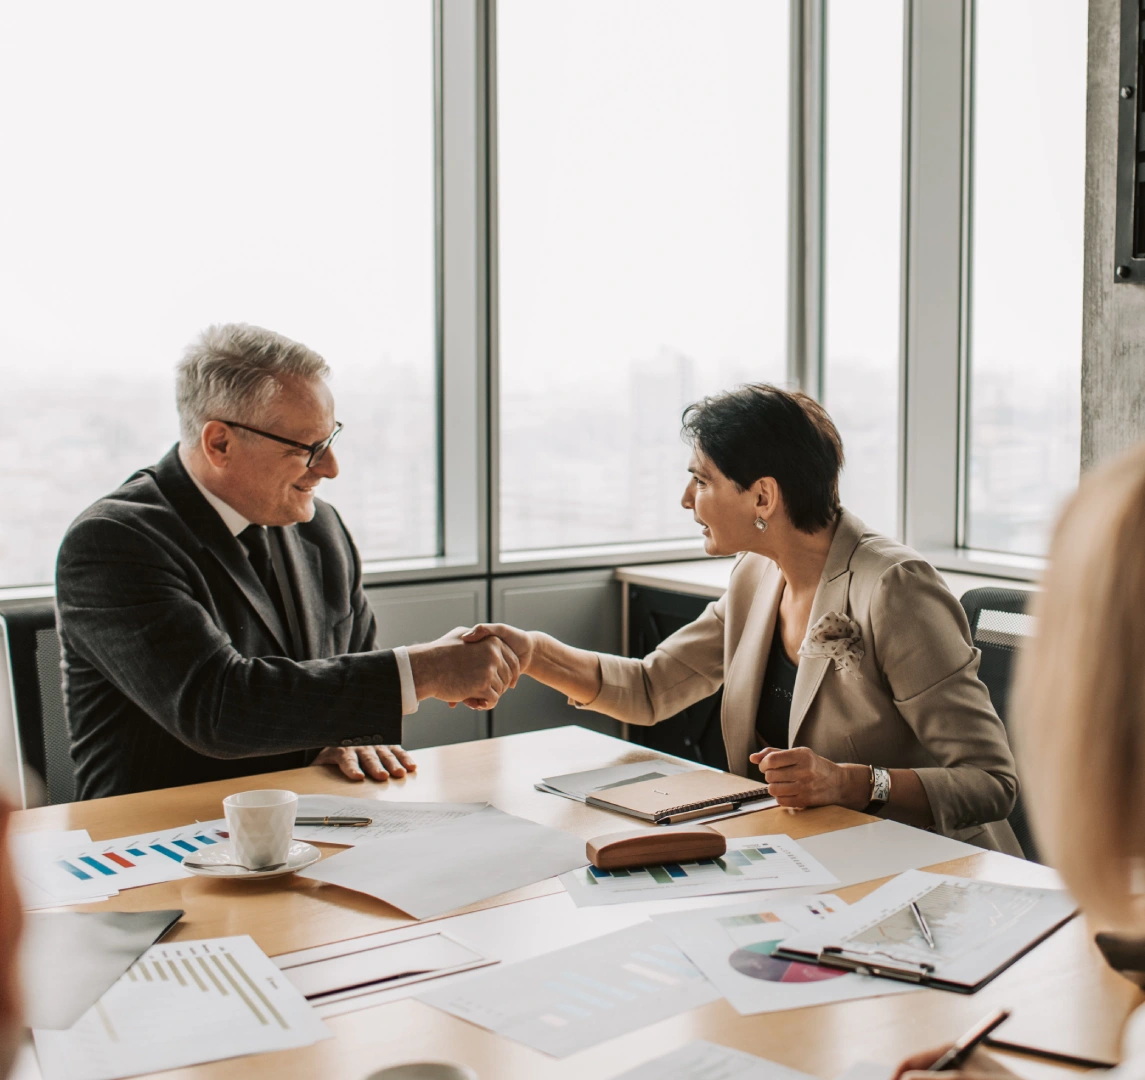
1113 321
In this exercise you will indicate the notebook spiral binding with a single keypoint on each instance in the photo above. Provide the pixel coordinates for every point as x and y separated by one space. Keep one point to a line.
684 808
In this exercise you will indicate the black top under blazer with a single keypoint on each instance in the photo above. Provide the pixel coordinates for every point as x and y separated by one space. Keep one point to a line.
176 665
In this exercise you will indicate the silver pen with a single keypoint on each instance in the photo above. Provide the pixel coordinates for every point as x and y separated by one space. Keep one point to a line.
358 822
928 937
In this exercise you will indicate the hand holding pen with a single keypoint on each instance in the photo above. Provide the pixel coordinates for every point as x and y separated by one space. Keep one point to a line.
961 1058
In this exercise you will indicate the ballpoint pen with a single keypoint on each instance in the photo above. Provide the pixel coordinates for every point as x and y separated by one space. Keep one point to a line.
927 936
356 822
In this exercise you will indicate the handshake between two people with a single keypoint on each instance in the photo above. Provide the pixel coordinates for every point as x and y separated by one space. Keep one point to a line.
472 666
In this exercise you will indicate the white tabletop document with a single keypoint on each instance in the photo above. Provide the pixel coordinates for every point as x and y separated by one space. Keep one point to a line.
183 1004
387 818
710 1061
977 929
751 863
450 866
573 998
735 948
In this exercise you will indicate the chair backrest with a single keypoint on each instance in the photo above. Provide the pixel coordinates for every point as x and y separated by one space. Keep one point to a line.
999 625
34 652
11 754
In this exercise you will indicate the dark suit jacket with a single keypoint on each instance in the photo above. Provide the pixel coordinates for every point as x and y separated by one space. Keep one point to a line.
176 664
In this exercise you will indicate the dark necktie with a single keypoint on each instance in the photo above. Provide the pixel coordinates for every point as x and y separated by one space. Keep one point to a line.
257 545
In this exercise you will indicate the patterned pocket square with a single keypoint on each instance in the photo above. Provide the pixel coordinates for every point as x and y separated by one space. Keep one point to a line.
838 638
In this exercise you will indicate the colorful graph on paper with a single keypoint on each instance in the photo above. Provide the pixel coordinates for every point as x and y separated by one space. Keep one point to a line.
576 997
129 861
750 864
238 1001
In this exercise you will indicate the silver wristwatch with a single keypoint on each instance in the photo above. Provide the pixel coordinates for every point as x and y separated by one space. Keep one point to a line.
880 789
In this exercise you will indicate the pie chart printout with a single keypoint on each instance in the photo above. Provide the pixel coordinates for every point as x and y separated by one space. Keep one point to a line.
757 962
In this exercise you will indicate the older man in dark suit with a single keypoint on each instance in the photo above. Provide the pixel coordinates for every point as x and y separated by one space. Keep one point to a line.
211 611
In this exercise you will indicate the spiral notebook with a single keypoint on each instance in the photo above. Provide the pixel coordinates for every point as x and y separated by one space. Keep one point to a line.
668 799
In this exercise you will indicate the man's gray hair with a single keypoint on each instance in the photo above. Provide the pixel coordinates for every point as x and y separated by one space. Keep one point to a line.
234 372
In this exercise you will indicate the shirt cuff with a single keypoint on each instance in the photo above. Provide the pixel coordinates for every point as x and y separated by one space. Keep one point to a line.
405 674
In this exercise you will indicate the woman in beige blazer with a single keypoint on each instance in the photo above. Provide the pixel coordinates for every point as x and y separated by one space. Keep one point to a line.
848 669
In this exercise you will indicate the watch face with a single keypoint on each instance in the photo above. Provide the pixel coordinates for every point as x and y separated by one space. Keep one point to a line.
882 786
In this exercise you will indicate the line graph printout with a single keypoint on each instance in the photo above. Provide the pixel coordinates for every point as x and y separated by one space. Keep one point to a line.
751 864
388 818
735 948
182 1004
567 1000
978 926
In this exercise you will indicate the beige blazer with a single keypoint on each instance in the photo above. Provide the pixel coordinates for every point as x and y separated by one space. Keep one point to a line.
917 704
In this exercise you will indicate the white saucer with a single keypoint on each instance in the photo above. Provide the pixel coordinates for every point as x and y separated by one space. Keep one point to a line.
219 862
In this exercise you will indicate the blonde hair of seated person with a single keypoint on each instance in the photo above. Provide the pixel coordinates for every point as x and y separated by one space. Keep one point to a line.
11 921
1080 697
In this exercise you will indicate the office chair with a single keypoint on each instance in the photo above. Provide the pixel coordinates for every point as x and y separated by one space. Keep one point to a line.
34 658
999 625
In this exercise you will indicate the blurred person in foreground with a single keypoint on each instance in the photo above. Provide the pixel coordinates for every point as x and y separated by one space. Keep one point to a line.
212 618
1079 704
11 922
848 669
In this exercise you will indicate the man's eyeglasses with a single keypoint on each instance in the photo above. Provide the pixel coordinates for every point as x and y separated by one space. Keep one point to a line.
317 451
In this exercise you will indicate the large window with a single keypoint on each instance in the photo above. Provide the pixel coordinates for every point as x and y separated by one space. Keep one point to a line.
642 249
168 167
863 249
1026 269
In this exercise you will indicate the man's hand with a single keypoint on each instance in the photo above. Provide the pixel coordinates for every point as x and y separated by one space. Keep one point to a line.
522 642
454 670
376 762
801 778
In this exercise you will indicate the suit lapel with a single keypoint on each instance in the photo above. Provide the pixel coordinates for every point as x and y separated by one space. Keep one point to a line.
304 566
208 528
830 596
744 678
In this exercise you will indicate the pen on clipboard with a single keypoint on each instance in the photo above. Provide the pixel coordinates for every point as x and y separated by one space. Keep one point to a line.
956 1056
927 936
352 822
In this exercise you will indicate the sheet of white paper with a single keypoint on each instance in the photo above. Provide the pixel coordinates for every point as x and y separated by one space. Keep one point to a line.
578 785
26 1067
183 1004
126 862
732 946
436 870
867 1070
977 926
389 818
359 968
709 1061
574 998
751 864
882 848
33 855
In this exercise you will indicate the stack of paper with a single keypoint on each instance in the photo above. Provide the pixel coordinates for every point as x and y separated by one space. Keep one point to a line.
436 870
183 1004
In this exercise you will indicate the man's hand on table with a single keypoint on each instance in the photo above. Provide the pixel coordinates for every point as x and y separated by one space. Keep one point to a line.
376 762
453 669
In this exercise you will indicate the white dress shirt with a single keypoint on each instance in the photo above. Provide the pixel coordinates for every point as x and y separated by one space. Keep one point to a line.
237 523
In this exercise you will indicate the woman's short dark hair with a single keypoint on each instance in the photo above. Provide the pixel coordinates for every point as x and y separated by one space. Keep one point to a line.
760 430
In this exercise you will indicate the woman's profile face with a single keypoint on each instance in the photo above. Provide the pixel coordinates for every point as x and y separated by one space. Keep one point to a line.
725 513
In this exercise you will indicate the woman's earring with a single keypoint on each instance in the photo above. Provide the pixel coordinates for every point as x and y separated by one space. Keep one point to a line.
761 524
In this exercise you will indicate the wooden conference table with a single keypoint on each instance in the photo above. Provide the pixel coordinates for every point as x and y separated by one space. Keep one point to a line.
1063 994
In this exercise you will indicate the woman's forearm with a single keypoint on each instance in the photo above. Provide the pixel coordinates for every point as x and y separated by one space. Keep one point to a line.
908 802
574 672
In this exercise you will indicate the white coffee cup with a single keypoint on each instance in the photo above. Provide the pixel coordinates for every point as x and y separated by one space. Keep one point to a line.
261 824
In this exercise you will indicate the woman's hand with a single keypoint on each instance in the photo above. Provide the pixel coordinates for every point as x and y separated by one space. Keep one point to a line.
801 778
979 1066
522 642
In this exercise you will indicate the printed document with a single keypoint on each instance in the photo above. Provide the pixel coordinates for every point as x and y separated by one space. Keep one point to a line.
450 866
734 947
183 1004
709 1061
573 998
751 863
388 818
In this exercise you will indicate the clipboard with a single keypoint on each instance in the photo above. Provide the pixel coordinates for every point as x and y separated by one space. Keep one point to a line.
868 938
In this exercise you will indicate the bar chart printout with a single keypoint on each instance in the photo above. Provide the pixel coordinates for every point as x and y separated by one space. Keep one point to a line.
182 1004
573 998
751 864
